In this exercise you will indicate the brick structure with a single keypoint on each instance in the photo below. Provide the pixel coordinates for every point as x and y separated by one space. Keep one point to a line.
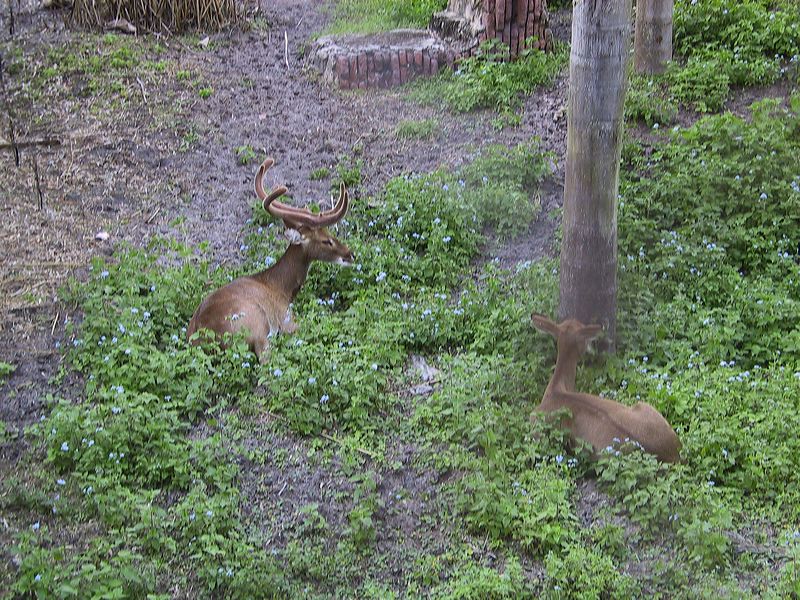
396 57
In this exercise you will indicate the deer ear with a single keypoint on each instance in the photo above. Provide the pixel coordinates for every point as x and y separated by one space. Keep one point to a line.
294 236
544 325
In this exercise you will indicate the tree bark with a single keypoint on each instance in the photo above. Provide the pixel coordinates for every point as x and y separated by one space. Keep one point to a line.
652 46
597 81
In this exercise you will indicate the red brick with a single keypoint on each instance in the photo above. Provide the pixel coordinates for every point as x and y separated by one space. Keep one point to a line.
418 61
342 66
361 64
434 66
395 58
371 69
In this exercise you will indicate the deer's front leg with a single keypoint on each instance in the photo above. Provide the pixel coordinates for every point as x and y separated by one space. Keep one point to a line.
288 325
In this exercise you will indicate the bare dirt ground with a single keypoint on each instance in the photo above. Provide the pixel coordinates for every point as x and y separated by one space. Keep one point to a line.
127 170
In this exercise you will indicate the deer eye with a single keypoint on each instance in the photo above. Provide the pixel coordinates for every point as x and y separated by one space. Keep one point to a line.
328 242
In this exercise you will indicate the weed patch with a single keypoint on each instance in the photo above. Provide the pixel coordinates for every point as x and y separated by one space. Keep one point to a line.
489 80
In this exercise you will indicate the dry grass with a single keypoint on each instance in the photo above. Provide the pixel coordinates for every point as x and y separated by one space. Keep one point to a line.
172 16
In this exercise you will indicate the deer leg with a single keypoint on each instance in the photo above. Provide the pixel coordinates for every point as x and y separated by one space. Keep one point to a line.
261 349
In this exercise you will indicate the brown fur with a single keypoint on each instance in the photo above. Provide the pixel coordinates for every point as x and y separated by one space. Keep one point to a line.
597 420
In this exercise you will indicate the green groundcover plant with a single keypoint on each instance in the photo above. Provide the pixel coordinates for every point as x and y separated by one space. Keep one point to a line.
136 489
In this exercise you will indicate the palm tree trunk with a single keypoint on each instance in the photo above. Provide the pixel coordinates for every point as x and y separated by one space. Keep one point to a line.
652 47
597 82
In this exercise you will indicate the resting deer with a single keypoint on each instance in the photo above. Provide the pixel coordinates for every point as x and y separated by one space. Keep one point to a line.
599 420
260 303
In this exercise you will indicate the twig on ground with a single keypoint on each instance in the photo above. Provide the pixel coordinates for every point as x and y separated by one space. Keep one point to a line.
38 183
153 216
4 145
141 87
27 290
286 49
53 328
6 103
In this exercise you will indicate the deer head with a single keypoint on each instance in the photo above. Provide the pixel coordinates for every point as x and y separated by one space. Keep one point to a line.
304 228
573 338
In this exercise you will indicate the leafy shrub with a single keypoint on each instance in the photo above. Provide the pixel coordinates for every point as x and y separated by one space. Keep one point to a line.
534 510
703 83
474 581
645 487
718 44
586 575
647 100
502 183
749 29
488 80
710 229
366 503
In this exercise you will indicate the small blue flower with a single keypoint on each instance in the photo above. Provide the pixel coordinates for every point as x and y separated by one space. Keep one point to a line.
61 482
65 447
277 372
104 274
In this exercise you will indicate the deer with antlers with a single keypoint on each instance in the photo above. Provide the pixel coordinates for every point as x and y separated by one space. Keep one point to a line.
260 304
599 421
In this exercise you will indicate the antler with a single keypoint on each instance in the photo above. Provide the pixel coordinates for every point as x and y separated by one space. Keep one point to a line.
296 217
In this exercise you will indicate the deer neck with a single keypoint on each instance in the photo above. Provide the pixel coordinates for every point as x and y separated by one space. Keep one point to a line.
563 379
288 274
